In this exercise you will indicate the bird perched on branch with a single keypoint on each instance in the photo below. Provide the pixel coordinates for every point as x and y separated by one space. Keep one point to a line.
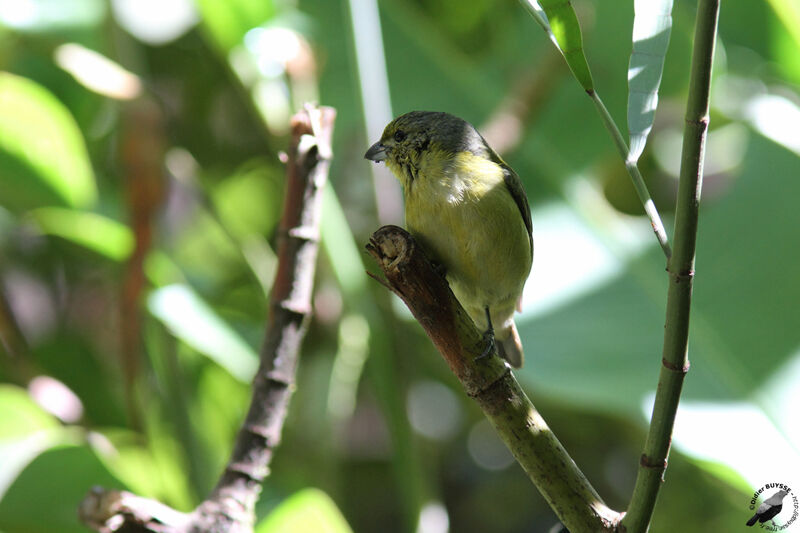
769 509
468 209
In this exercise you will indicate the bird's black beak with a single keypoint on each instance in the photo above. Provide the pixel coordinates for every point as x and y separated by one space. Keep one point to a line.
376 152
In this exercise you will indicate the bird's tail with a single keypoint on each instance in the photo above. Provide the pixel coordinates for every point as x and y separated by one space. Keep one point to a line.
753 520
510 348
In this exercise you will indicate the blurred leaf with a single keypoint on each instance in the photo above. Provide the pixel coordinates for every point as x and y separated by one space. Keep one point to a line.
45 496
249 202
228 20
135 465
607 365
564 30
651 29
43 158
221 405
340 245
51 15
195 323
25 430
737 340
307 511
21 415
103 235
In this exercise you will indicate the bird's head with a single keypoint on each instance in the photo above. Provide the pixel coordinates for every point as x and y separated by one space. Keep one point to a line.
420 138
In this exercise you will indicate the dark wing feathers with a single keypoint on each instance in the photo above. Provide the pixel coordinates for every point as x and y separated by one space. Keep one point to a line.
514 186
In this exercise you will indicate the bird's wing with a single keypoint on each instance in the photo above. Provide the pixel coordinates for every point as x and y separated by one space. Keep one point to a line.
514 186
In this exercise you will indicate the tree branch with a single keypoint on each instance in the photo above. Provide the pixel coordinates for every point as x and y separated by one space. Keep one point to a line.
489 382
675 362
231 506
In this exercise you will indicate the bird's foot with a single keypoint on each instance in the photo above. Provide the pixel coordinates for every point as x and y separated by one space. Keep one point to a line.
488 339
439 268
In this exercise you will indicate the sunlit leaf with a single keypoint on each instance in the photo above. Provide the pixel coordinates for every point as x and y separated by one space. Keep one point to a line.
25 431
564 30
195 323
307 511
228 20
43 158
90 230
21 415
651 30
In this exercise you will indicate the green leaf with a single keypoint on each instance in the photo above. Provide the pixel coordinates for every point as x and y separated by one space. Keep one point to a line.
561 24
306 511
227 21
90 230
43 158
340 245
25 430
45 496
21 415
195 323
651 30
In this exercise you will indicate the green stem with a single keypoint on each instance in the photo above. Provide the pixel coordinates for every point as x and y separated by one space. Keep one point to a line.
681 273
636 176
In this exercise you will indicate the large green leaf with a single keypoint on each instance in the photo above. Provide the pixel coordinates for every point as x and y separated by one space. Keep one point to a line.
603 350
651 29
745 288
43 158
307 511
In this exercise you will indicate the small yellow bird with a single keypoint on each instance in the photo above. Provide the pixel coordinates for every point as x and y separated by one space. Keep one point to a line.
469 211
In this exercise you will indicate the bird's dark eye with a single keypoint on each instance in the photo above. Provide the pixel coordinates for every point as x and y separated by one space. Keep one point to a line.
399 136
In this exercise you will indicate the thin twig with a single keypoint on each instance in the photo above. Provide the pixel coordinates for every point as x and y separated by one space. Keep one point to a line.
489 382
231 506
675 362
636 176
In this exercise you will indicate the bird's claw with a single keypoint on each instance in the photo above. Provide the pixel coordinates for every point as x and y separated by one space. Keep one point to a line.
488 337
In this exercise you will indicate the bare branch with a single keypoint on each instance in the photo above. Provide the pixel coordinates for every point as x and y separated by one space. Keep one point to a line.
231 506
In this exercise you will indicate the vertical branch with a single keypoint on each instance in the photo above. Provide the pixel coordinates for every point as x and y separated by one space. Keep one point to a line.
231 506
236 493
675 361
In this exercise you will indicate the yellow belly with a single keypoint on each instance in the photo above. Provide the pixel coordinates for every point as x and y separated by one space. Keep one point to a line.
475 229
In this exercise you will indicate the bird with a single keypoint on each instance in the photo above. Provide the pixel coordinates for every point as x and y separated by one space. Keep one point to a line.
469 211
769 508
